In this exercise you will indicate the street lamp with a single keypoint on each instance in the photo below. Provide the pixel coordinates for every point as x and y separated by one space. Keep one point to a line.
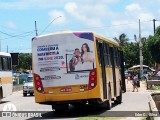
50 23
140 51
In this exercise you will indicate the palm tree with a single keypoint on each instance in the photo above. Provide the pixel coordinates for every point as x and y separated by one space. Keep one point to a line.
122 39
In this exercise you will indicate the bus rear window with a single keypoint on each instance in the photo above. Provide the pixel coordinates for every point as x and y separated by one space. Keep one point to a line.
5 63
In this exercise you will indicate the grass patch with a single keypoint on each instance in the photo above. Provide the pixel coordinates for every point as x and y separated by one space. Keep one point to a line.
100 118
111 118
155 88
147 118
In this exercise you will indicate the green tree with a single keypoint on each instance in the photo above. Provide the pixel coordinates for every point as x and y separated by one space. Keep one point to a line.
122 40
154 45
131 54
131 51
25 62
147 57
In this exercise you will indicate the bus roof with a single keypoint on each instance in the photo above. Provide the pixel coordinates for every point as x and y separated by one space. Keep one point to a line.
106 39
95 34
4 54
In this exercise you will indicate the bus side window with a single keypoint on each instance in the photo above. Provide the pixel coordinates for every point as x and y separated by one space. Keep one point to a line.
107 55
4 63
98 51
115 51
119 59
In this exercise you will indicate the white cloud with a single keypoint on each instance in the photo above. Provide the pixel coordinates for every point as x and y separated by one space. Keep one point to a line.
11 25
58 17
92 13
133 7
87 14
145 16
130 16
31 4
96 14
70 7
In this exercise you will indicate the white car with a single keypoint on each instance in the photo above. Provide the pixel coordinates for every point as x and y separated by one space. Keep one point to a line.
28 86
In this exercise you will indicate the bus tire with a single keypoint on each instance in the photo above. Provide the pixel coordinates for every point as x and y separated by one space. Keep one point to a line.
1 94
108 104
119 98
31 94
24 94
60 108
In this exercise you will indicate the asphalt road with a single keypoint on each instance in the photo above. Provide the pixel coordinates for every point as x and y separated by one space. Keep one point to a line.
132 101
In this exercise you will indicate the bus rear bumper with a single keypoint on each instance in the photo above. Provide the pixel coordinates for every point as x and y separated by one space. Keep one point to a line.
65 98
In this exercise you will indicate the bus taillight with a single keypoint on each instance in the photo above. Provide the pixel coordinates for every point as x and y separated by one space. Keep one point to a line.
38 83
92 79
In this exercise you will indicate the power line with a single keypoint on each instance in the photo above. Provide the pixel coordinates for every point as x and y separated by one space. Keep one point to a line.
50 24
96 27
115 25
20 35
103 27
18 30
6 34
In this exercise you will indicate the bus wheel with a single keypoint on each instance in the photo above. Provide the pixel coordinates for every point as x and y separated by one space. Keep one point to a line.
119 98
1 96
31 94
108 104
60 108
24 94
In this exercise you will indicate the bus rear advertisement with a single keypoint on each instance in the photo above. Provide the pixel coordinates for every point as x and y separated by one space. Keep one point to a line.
76 68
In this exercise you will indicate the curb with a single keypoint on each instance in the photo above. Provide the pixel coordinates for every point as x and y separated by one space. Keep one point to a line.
154 105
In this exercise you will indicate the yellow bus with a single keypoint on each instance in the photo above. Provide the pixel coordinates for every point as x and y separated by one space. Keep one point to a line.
5 75
77 68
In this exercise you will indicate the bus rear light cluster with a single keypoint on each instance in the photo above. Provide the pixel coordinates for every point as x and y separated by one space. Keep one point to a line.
92 79
92 84
38 83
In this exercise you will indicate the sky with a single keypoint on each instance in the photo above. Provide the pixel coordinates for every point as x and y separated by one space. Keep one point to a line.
109 18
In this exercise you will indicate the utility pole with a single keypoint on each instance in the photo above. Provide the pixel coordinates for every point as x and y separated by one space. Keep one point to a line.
0 45
36 28
140 50
7 48
154 27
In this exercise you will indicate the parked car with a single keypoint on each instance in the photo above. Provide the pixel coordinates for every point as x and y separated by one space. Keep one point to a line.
28 86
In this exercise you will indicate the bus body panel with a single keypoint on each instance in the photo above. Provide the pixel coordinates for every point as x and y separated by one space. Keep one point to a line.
118 79
83 95
109 77
60 83
6 84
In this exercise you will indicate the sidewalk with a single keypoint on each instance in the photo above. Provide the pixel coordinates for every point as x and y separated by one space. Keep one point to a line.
142 88
137 102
